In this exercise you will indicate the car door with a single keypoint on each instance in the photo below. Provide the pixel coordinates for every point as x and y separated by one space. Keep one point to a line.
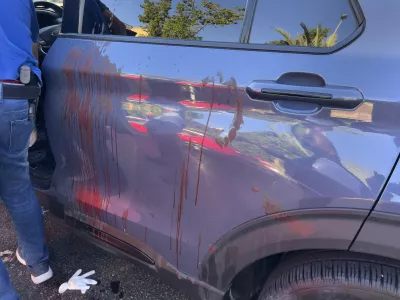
202 116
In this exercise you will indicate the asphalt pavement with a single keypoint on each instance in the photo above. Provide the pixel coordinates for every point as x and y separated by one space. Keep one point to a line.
117 278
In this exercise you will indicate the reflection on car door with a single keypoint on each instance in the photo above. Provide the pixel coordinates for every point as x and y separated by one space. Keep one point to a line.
175 142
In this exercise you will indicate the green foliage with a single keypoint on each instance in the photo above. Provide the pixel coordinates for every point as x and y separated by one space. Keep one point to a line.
331 40
188 18
288 40
154 15
315 37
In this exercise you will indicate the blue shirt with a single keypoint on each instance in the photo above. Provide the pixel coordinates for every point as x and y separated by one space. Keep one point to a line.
18 30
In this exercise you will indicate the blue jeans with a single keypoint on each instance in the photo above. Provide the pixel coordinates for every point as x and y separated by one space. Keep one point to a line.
17 193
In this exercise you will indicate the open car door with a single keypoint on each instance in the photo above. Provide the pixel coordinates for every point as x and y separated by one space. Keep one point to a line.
205 151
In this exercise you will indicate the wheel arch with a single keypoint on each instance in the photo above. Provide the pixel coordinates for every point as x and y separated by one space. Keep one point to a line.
379 235
272 235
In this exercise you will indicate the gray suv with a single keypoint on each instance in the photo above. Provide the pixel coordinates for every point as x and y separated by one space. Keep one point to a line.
248 149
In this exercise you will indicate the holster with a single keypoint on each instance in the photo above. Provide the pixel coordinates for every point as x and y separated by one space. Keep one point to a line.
20 91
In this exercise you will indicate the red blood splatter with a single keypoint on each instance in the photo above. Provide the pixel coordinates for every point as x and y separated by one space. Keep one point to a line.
187 169
255 189
178 236
270 207
205 105
86 111
202 143
140 88
208 143
124 219
300 227
200 84
90 200
297 226
238 118
212 249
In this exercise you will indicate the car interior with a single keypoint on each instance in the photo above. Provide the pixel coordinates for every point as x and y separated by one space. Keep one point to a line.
40 157
50 19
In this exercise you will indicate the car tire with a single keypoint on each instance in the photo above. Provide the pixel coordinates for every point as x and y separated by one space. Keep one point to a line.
333 275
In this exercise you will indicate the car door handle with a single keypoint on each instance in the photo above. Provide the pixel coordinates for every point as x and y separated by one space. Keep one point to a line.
327 96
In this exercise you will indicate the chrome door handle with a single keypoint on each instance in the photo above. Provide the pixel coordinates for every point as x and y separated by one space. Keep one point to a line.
327 96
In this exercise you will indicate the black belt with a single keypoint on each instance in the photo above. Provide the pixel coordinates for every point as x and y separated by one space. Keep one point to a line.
20 91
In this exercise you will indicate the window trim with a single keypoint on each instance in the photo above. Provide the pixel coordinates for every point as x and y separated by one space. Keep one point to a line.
248 21
81 14
359 15
245 34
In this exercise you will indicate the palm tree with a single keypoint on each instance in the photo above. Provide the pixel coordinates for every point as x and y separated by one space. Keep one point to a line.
332 39
315 37
287 38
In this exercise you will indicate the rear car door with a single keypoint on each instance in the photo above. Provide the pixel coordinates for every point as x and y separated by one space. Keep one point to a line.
185 119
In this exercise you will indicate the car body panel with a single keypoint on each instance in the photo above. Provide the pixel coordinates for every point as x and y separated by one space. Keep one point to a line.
378 234
162 142
277 234
389 202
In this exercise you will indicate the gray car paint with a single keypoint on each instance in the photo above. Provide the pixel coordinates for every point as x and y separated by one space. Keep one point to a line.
378 235
389 202
154 178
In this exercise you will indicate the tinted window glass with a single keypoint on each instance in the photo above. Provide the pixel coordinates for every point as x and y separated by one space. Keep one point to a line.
313 23
207 20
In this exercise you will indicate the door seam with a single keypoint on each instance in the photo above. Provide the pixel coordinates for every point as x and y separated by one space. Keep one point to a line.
376 202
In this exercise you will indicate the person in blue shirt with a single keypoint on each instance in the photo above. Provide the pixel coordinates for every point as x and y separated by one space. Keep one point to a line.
18 36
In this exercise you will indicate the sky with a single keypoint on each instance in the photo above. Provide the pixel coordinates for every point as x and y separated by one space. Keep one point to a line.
129 10
286 14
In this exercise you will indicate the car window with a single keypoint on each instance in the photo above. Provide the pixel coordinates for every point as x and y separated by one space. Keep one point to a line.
312 23
203 20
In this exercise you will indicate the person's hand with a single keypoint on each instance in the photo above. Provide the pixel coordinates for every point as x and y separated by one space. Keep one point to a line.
77 282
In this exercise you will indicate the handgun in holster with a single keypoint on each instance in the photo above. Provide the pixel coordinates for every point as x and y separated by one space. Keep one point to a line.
27 88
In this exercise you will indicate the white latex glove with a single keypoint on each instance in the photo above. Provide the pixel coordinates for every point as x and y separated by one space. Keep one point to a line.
77 282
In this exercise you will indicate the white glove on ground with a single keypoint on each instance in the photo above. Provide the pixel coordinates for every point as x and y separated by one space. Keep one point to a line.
77 282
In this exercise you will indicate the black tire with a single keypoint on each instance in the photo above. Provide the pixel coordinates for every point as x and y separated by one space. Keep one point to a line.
333 275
